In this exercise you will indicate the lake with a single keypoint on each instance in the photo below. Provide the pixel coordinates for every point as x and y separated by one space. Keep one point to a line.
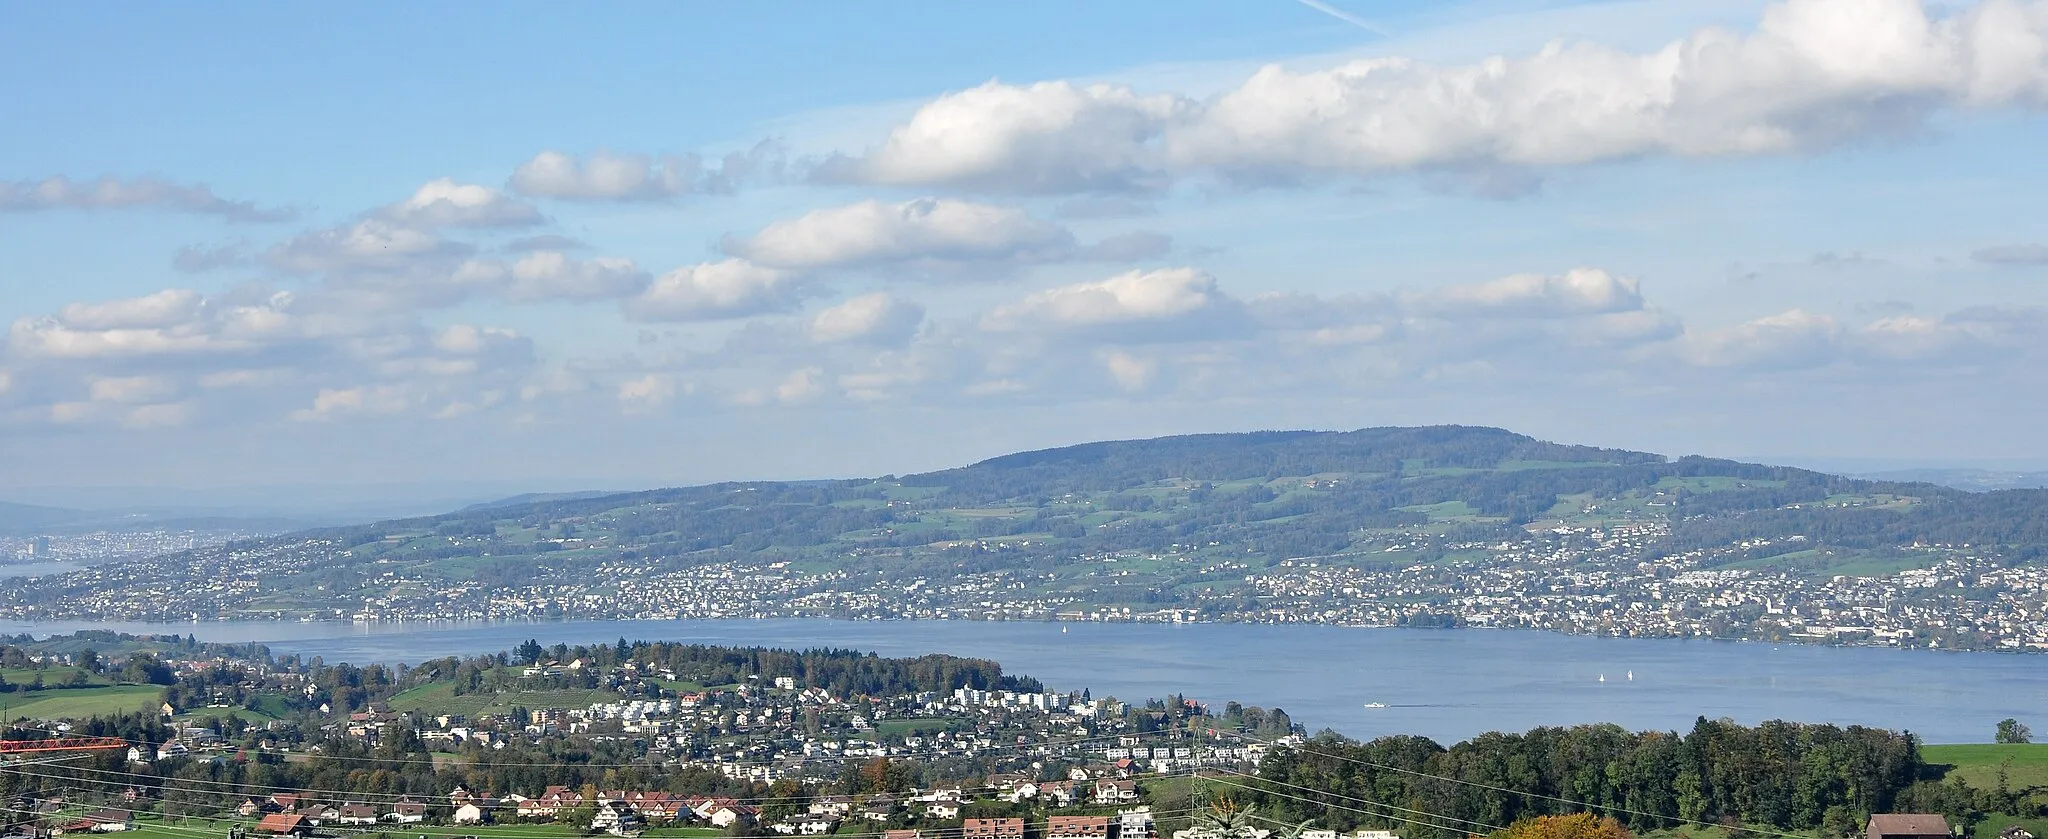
1445 684
37 569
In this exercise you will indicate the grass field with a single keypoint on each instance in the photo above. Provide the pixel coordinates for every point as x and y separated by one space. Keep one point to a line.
1453 511
51 676
1705 832
80 702
1977 764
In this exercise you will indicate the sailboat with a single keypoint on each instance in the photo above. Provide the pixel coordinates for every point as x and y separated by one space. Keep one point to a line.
1631 675
1603 677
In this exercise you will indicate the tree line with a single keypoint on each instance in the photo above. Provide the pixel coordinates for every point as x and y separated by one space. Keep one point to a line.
1786 775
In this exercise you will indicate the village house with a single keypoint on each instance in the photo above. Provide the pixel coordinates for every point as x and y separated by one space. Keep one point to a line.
727 815
550 803
654 806
1057 793
1077 827
406 811
103 821
879 808
284 824
1005 783
1907 826
617 818
475 810
356 814
992 829
1119 791
1135 823
811 825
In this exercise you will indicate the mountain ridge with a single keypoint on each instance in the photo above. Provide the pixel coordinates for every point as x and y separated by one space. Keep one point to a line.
1228 526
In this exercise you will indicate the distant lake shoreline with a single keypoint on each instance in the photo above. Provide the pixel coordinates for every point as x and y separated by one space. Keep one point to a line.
1445 684
383 625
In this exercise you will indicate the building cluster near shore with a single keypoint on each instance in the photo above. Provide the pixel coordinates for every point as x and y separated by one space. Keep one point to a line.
109 545
1079 765
1573 579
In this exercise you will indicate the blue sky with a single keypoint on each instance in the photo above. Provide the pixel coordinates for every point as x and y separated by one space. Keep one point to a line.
656 243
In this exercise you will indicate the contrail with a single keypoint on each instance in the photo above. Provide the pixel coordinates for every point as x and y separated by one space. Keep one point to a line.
1347 17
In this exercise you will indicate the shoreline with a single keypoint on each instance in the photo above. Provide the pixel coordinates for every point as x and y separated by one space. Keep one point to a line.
15 626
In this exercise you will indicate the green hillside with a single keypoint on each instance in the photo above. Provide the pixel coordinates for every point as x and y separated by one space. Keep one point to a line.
1277 494
1979 764
1173 516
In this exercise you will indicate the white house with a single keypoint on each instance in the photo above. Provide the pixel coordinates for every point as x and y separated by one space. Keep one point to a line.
471 812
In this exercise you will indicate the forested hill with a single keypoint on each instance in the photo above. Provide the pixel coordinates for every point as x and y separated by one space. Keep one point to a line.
1279 493
1127 464
1192 520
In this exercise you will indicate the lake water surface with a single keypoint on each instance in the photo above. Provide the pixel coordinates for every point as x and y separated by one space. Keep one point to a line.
36 569
1446 684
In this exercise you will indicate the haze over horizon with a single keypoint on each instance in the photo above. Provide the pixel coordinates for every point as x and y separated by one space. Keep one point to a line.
709 243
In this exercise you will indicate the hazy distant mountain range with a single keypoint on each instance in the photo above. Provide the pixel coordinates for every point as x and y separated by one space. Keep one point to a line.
1972 480
269 509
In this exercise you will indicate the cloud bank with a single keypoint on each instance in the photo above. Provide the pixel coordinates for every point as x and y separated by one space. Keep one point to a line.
1814 74
60 193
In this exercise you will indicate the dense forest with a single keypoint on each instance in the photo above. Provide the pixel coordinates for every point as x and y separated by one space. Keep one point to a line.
1785 775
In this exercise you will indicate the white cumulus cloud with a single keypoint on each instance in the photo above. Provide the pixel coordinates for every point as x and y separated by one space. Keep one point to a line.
169 307
1130 298
1791 339
606 176
716 290
59 192
1811 75
1581 291
445 203
551 275
372 244
877 317
873 232
1047 137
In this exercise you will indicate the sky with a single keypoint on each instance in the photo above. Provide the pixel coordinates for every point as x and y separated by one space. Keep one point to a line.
636 244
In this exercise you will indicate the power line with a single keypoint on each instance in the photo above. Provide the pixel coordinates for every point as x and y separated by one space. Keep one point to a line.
251 790
540 833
